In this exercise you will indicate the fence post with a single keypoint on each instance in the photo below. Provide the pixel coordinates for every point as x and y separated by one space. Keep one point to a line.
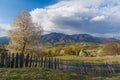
6 60
27 60
30 61
2 59
66 62
44 62
61 64
41 61
36 59
9 58
49 62
21 60
58 64
52 63
55 62
33 61
17 59
12 61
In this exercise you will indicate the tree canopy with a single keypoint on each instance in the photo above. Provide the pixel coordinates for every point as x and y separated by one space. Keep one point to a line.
25 35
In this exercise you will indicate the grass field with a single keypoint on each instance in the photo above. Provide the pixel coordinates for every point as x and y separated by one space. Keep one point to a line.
89 59
46 74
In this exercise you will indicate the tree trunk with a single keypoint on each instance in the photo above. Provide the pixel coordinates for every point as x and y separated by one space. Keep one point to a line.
24 45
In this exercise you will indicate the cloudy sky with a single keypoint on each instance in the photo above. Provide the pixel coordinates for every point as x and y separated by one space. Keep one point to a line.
95 17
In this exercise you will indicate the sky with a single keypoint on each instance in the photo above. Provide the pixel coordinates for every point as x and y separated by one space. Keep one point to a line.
95 17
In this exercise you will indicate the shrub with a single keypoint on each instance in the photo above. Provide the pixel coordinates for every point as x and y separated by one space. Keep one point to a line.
101 54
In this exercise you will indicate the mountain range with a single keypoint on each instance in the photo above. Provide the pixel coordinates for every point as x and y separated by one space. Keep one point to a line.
64 38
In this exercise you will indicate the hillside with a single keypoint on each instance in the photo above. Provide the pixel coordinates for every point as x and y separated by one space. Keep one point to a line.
4 40
63 38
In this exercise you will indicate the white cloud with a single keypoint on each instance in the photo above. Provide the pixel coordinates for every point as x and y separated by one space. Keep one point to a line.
4 29
80 16
109 35
98 18
5 26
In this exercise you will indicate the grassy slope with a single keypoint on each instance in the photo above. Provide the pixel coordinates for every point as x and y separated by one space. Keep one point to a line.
46 74
98 59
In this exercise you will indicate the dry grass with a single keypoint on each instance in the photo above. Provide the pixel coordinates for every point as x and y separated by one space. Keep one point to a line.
93 59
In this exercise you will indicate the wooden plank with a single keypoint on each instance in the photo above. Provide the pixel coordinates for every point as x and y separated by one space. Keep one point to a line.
44 62
2 59
36 59
12 61
33 61
55 63
17 60
49 62
21 60
41 61
27 60
30 61
9 58
6 60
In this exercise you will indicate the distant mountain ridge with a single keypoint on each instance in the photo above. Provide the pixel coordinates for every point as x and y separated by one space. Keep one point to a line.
4 40
60 37
64 38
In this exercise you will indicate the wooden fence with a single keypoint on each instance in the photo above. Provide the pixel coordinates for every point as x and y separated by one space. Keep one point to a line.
89 68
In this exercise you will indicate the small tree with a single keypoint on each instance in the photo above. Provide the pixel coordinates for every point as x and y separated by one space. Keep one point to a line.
25 36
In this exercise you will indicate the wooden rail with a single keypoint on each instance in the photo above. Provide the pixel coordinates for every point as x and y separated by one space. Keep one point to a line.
8 60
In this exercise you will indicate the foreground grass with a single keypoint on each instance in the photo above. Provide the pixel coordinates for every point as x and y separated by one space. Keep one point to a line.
93 59
46 74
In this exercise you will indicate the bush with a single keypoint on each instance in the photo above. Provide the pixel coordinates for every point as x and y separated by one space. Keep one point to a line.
101 54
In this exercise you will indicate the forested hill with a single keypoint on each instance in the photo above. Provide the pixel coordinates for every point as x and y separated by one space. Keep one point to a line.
63 38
